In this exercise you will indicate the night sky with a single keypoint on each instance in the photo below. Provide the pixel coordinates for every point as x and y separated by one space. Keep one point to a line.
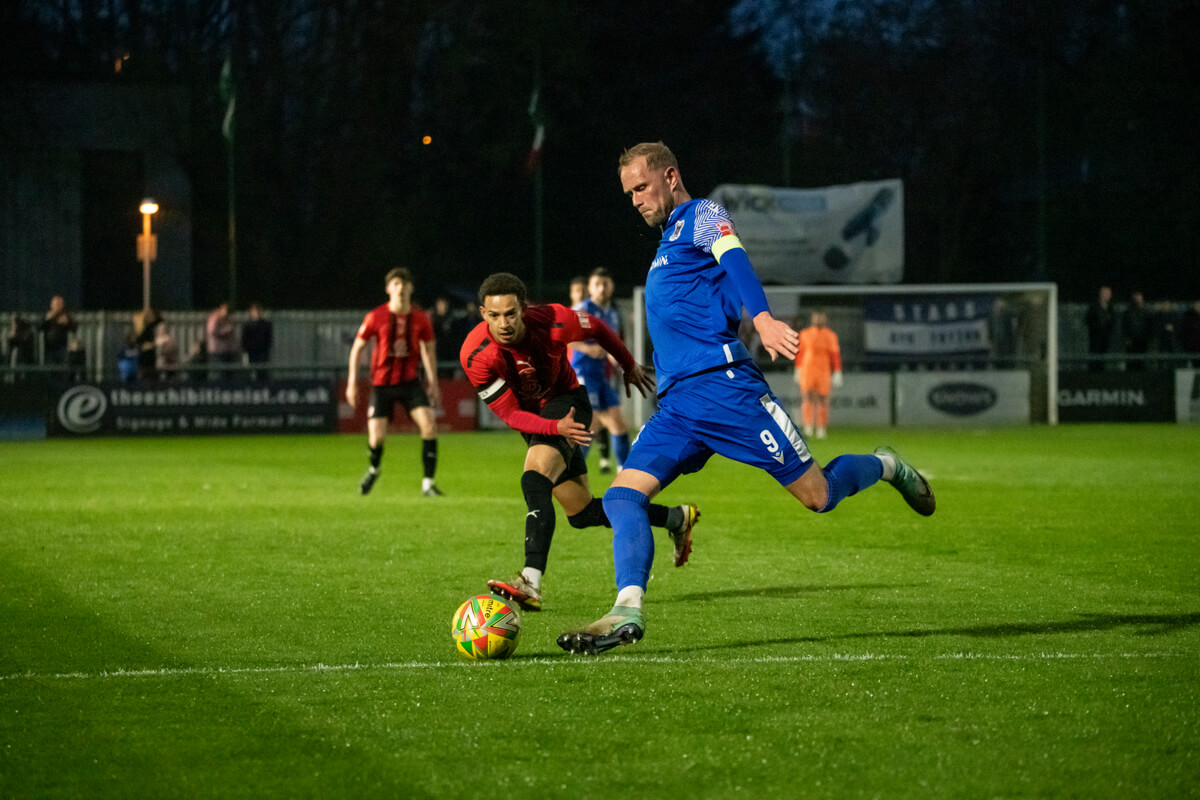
1036 141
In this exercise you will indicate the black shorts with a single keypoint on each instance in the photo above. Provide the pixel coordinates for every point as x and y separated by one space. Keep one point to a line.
557 409
410 394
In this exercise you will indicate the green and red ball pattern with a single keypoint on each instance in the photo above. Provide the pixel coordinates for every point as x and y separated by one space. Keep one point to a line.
486 627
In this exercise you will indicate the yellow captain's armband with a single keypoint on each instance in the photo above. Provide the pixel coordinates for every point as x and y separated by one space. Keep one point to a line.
724 245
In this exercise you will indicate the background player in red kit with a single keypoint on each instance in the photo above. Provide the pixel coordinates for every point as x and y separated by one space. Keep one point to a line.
517 361
404 342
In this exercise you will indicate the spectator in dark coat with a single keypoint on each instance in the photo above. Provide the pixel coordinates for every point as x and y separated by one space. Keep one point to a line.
257 337
1189 332
1101 322
1137 328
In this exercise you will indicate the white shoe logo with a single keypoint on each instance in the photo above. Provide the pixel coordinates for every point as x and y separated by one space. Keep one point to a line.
534 513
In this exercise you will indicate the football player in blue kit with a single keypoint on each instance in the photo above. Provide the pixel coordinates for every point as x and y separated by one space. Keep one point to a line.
591 365
712 398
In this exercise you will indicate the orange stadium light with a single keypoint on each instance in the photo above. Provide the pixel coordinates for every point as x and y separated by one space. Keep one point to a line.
147 247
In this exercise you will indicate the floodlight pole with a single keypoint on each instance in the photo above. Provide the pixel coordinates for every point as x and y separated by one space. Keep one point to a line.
147 248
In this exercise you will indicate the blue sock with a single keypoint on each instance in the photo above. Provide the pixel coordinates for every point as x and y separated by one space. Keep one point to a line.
620 445
849 475
633 543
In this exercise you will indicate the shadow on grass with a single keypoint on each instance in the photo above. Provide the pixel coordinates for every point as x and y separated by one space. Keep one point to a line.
1157 624
89 737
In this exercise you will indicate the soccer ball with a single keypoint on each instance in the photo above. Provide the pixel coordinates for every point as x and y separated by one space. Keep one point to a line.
485 627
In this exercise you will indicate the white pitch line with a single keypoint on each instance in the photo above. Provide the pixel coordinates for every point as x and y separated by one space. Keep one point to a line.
174 672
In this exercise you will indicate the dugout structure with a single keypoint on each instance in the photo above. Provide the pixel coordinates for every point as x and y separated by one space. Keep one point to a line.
975 355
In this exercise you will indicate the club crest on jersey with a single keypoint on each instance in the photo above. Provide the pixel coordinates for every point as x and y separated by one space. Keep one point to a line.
678 230
531 387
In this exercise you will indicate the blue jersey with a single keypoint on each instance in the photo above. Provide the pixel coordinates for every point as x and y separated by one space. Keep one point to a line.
582 362
693 305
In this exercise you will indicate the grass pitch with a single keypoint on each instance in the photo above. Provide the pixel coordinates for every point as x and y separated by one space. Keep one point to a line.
228 618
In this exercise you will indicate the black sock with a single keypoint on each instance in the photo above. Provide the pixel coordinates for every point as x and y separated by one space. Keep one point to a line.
376 455
660 516
539 522
592 516
605 443
429 456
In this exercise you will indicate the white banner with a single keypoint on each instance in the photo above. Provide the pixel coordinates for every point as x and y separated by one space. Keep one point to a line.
1187 395
991 397
863 401
838 234
924 338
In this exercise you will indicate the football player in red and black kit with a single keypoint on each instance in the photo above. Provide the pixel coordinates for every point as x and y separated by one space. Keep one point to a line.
404 342
517 360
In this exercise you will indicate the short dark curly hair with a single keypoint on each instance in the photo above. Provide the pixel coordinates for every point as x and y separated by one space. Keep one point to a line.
499 283
403 273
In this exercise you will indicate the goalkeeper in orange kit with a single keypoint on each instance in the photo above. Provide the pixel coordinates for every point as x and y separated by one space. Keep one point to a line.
818 371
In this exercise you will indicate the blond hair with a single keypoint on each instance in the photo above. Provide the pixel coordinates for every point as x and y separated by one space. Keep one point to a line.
657 155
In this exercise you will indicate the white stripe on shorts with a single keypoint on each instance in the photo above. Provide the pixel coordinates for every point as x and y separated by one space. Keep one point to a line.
785 425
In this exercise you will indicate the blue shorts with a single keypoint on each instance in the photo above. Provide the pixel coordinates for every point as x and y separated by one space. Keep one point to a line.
728 411
600 391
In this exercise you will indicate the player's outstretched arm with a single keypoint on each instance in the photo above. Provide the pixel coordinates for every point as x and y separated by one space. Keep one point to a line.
606 339
777 336
636 377
575 432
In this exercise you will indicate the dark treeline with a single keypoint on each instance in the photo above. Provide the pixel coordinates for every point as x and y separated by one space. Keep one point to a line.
1037 141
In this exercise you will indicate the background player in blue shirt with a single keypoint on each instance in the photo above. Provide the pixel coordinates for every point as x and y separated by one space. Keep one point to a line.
712 398
591 364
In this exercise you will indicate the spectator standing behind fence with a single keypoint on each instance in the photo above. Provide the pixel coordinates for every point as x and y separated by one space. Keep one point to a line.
144 326
166 351
221 337
22 348
1189 332
76 359
257 338
1101 322
128 357
448 333
1136 330
1166 328
57 327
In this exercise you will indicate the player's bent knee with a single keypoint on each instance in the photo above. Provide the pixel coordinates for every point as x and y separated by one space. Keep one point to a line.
591 516
812 491
536 487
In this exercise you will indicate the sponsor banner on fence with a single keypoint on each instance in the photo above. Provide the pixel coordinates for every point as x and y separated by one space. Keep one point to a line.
107 409
927 326
23 409
864 400
836 234
1116 396
456 412
993 397
1187 395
